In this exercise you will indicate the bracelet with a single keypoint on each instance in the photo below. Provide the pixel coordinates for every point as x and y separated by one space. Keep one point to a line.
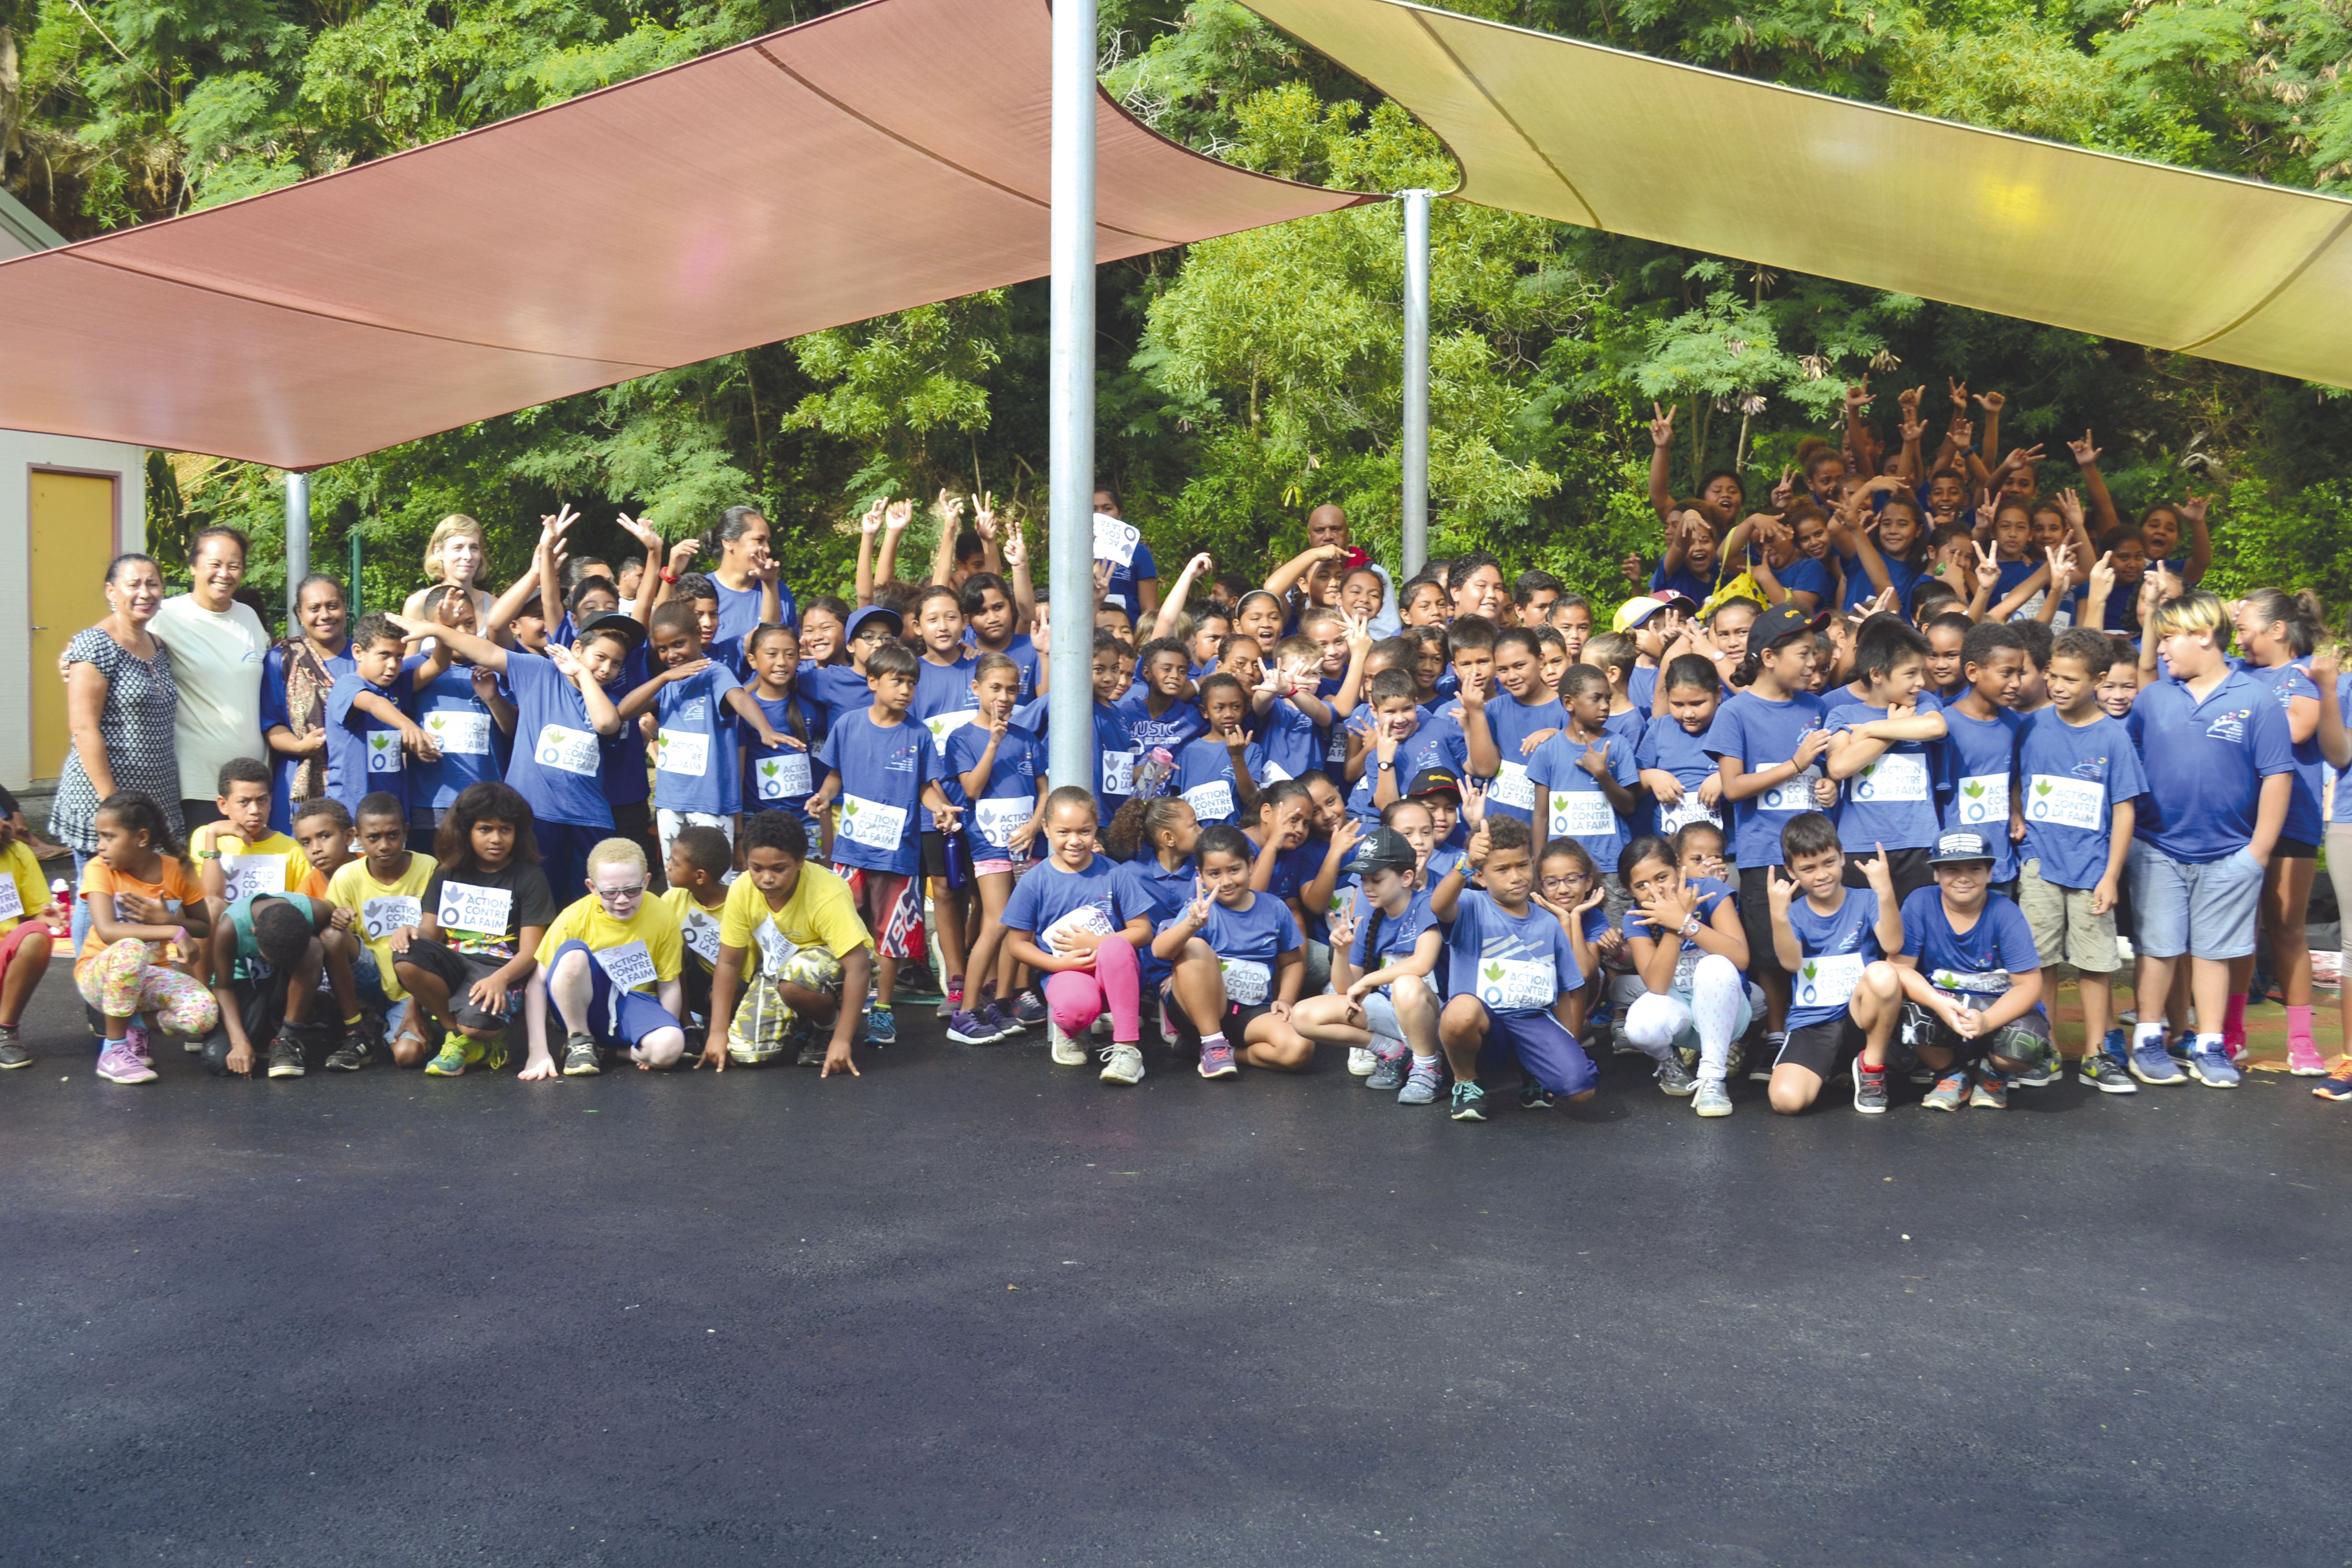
670 577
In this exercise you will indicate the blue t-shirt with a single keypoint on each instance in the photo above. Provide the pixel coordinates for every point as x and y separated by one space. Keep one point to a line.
1020 651
558 763
782 779
1764 734
1258 934
880 818
1681 580
2073 780
1575 805
363 752
1642 689
1518 965
1668 748
2205 763
1288 738
837 688
624 779
1100 898
2342 809
1204 777
275 713
1442 859
1398 934
697 766
1158 895
1979 771
2013 574
2287 683
1893 801
1125 576
471 742
1436 742
1974 964
1170 732
738 616
1901 576
1807 575
943 700
1010 798
1837 947
1510 722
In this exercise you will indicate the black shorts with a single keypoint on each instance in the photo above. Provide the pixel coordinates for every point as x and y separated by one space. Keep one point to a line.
1756 920
1910 869
2020 1039
459 972
1238 1019
2294 849
1821 1048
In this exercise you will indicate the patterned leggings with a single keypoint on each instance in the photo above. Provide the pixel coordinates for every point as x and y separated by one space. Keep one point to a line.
122 983
1711 1009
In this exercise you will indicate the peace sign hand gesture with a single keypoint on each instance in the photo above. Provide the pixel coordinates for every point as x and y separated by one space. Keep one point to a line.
1662 426
983 514
1988 566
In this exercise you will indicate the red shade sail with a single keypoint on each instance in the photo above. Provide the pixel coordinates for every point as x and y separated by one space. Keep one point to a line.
864 163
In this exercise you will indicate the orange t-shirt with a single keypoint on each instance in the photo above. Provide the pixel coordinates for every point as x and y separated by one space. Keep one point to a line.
172 883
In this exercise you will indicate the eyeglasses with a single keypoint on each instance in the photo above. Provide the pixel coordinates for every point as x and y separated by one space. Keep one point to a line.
636 892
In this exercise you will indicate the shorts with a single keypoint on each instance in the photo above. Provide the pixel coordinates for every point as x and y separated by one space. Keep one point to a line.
1237 1020
1821 1048
882 898
2294 849
459 972
617 1018
18 938
1909 869
425 820
1546 1052
935 857
1756 920
2205 909
2022 1039
997 866
766 1028
667 822
2063 926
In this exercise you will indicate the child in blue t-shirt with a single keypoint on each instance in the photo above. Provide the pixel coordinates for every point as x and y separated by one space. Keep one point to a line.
1384 949
1686 992
1238 959
369 718
1973 980
1076 921
1980 753
1520 717
782 777
1406 743
701 710
1511 973
1219 774
1671 761
1584 778
1883 750
1159 715
470 720
884 771
1833 944
998 768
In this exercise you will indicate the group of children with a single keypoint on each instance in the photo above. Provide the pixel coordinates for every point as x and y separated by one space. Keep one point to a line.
1809 835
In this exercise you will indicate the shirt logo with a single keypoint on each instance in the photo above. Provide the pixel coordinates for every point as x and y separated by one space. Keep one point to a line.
2092 768
2229 727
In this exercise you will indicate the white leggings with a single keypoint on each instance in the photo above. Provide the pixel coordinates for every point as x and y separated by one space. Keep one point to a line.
1713 1009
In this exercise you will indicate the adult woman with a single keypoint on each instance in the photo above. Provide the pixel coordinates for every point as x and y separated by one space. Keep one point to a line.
295 679
120 704
454 555
217 647
748 593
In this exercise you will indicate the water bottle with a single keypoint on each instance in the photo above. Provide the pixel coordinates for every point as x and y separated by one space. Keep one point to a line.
61 894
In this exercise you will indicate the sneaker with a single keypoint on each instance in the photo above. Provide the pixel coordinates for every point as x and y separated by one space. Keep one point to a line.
1674 1078
1469 1102
1869 1090
1992 1092
918 985
812 1053
1950 1092
286 1055
1029 1012
580 1056
1761 1070
1422 1082
1732 1064
1362 1060
1390 1072
2044 1069
951 1004
1217 1060
2302 1060
971 1029
2336 1085
2108 1066
117 1064
1122 1064
991 1016
881 1027
1067 1052
452 1060
2213 1069
1712 1099
1534 1097
13 1052
349 1057
2179 1047
2152 1063
136 1039
1923 1075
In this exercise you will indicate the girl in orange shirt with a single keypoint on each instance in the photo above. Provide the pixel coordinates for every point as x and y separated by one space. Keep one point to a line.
144 912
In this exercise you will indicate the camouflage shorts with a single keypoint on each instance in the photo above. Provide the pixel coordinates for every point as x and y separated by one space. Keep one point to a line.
766 1026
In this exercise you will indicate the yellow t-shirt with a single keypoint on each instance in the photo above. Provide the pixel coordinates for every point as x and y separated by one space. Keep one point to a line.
31 894
820 914
655 925
271 864
697 926
382 908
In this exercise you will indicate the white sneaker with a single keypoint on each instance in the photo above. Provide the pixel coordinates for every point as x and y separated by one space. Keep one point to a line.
1067 1052
1362 1060
1100 1029
1122 1064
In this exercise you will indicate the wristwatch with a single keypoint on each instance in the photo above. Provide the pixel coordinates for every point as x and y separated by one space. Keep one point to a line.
1690 925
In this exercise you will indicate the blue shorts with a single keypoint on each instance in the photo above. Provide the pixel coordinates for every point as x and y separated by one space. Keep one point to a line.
1547 1053
2207 910
615 1017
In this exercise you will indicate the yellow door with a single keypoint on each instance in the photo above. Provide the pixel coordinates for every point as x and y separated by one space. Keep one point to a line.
72 541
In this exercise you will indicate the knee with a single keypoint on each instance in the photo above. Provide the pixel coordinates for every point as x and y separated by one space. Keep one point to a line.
34 948
569 967
663 1048
1463 1020
1715 969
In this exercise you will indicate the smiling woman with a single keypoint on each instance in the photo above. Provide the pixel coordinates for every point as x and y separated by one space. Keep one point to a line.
218 649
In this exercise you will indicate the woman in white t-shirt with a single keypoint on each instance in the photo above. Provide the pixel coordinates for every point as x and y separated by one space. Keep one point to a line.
217 648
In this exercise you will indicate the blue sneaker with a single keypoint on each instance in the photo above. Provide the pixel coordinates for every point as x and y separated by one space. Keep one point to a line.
881 1027
2181 1047
2213 1069
1422 1083
2152 1063
2106 1066
1388 1072
1029 1012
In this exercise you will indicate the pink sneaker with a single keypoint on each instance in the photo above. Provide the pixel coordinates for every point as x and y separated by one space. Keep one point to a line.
2304 1060
141 1046
1217 1060
119 1063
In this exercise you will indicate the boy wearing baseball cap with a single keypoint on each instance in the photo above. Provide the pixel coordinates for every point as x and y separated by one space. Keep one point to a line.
1971 978
1384 953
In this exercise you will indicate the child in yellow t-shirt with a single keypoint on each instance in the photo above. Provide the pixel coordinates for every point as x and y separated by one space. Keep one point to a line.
31 917
383 892
699 859
238 856
603 964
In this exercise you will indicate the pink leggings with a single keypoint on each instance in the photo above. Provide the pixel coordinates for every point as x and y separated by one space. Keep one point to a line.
1075 996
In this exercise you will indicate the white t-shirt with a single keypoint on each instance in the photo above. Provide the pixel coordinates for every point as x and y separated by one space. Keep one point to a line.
216 664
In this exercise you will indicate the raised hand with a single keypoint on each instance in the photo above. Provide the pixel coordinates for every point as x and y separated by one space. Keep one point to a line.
1857 398
896 517
1991 403
983 514
951 509
1778 893
1475 853
1782 491
1200 567
1910 400
1016 549
871 524
2061 568
1595 760
1662 426
1474 803
1102 578
1988 566
2102 581
1959 394
644 532
1881 877
2085 453
2193 509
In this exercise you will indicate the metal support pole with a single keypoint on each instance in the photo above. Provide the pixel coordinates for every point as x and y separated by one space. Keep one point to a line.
352 593
1071 414
297 543
1416 380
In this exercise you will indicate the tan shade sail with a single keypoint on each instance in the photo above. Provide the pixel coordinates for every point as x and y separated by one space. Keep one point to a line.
2254 275
866 162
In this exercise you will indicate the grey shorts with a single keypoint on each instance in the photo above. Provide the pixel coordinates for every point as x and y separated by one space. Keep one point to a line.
2206 910
2063 926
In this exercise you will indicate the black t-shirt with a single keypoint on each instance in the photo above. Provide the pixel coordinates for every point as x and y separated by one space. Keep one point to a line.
483 912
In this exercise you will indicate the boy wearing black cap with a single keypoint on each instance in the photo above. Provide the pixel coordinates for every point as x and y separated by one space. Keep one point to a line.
1384 949
1972 979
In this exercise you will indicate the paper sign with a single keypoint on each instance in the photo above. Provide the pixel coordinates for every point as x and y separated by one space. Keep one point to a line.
784 776
1983 798
1517 985
252 875
568 750
382 751
382 916
629 965
872 824
2065 802
685 752
1115 541
1580 814
1247 983
461 733
467 908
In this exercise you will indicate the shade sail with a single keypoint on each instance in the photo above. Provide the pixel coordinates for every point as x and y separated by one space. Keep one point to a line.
872 160
2252 274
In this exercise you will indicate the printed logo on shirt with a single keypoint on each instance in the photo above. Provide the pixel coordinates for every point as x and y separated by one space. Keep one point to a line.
695 711
2229 727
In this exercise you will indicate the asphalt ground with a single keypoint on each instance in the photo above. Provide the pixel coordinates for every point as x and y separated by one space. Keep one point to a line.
971 1309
